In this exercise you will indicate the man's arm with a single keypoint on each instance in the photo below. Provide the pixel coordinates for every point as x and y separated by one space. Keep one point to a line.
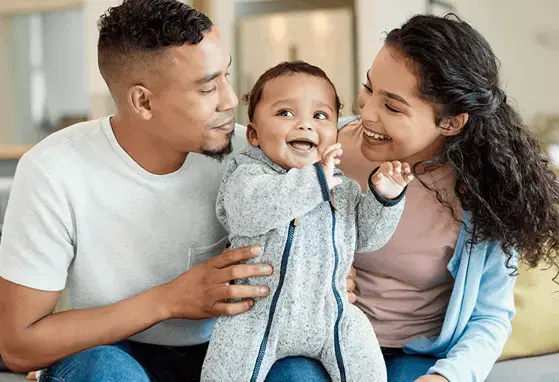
35 254
33 337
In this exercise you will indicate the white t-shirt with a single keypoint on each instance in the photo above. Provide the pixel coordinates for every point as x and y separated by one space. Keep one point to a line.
84 216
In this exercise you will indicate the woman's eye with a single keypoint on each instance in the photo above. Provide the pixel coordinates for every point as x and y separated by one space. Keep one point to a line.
391 108
368 88
320 116
285 113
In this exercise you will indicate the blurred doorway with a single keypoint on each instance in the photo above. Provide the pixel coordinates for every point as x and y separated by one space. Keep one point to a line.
320 32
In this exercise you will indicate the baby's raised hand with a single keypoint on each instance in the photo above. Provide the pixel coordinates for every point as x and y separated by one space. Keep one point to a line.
329 162
391 179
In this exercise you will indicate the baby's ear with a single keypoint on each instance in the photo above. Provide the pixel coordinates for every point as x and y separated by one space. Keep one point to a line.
252 135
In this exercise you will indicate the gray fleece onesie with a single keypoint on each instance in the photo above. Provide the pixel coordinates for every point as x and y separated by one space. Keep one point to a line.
309 235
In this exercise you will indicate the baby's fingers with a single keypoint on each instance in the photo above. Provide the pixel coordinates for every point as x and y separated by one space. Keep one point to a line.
330 149
376 179
386 168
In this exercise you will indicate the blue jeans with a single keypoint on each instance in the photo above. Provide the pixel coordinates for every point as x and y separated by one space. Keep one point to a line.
401 367
130 361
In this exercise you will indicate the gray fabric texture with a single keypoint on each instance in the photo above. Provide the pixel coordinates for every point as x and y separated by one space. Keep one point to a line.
257 203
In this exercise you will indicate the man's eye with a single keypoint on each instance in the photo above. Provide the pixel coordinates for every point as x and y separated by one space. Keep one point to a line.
320 116
285 113
209 91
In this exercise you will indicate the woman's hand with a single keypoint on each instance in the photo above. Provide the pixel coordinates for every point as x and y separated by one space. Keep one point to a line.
350 286
432 378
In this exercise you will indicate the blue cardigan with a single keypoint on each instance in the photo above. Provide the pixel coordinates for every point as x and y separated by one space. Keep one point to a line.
478 318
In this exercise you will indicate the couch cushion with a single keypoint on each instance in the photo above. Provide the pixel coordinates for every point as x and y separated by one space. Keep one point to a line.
534 369
535 326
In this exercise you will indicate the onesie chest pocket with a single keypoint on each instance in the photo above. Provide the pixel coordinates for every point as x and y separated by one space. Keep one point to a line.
200 254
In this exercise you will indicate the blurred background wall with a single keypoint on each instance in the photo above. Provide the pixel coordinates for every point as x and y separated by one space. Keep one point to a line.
48 64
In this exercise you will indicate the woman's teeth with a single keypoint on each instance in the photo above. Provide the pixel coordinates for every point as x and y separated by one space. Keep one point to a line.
378 137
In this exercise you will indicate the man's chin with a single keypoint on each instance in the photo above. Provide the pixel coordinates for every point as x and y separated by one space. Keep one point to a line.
218 153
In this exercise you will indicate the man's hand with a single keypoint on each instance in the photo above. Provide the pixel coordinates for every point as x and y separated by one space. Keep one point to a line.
329 162
432 378
202 291
350 285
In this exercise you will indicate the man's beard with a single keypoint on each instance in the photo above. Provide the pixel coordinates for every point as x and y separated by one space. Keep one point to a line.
220 153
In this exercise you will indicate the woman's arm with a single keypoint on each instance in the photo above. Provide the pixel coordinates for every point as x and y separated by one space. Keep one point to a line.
473 356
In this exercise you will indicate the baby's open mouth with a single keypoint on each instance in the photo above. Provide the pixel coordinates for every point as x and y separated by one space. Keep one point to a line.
302 144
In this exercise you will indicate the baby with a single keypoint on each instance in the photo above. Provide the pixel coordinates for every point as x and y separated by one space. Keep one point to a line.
284 194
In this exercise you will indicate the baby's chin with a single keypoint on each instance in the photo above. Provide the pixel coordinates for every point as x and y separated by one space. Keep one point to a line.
301 163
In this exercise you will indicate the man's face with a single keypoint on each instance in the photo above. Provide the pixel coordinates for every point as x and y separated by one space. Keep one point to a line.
192 106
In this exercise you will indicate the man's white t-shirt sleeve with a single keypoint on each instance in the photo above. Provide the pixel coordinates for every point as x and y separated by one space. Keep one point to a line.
36 248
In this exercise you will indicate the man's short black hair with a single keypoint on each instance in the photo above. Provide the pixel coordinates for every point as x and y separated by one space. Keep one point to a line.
137 30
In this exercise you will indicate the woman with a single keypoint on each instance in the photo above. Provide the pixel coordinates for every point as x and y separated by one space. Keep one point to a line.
440 293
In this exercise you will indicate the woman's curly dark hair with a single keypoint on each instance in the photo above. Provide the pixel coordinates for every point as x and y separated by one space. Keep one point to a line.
502 176
146 27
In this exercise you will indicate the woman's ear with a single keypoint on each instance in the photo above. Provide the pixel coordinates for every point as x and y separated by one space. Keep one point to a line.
252 135
452 126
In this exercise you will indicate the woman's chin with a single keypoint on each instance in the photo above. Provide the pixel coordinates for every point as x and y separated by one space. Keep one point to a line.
375 154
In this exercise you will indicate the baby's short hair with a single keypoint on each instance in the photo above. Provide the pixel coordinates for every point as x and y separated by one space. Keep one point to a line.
283 69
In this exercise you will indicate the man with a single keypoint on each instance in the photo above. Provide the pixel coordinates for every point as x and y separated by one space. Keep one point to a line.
121 212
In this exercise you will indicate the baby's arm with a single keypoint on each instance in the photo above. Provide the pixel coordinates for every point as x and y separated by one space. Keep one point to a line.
256 202
380 210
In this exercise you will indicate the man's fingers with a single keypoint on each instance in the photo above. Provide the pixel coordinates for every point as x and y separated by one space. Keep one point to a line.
226 292
352 297
241 271
234 256
231 309
350 285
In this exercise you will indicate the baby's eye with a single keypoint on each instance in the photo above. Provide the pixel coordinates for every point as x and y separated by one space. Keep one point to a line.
285 113
320 116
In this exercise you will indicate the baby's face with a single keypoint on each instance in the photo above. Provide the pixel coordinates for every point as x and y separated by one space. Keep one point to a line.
295 120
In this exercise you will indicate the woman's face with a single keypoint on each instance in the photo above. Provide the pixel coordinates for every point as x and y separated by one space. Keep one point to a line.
397 124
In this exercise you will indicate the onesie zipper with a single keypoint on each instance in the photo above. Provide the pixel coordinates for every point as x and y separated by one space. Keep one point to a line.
283 271
339 304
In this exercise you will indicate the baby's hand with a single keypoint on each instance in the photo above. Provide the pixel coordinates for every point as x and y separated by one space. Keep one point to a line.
329 162
391 179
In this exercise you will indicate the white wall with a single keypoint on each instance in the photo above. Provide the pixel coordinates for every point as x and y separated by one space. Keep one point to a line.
374 19
100 99
267 40
59 53
6 101
65 63
529 70
24 131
